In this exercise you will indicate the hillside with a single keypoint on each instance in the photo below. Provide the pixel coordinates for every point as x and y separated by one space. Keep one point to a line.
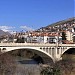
61 25
4 33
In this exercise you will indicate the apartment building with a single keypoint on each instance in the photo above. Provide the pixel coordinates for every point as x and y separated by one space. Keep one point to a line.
44 37
69 36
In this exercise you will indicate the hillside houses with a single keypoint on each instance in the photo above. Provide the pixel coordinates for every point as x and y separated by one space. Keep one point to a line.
50 34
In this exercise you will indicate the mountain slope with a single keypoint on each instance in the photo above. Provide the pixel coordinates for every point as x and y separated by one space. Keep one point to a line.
59 25
4 33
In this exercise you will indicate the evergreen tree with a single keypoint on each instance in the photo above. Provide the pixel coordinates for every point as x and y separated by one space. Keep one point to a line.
63 36
74 39
20 40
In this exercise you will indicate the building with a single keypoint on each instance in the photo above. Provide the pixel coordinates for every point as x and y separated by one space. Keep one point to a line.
44 37
69 36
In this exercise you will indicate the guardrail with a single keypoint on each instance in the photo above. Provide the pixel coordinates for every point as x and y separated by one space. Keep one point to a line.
34 44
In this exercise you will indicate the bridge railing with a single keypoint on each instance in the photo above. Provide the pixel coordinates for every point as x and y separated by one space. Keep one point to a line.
35 44
26 44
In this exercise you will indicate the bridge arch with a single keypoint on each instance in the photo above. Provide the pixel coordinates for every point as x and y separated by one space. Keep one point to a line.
68 54
38 51
69 49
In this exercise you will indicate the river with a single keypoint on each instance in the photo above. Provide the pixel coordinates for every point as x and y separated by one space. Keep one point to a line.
26 67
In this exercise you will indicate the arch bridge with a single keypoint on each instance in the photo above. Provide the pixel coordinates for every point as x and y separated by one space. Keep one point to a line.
52 51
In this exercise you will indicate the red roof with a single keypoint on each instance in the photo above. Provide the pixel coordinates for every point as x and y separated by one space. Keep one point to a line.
66 42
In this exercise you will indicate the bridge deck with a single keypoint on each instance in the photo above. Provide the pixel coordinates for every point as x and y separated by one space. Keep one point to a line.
35 44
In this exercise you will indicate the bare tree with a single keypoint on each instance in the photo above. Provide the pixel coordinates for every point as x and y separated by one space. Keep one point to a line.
7 64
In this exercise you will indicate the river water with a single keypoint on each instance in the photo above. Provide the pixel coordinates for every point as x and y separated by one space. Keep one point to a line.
26 67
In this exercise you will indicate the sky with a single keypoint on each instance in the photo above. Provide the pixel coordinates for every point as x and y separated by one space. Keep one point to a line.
18 15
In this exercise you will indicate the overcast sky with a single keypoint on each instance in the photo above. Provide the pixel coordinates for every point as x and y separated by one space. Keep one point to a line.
17 15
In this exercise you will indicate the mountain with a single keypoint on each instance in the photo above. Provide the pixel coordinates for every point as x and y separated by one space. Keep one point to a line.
4 33
61 25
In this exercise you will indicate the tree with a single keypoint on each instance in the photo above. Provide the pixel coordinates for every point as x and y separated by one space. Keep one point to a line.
20 40
74 39
63 36
50 71
7 64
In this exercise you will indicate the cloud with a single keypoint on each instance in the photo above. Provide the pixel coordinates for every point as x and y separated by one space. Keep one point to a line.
7 28
26 28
